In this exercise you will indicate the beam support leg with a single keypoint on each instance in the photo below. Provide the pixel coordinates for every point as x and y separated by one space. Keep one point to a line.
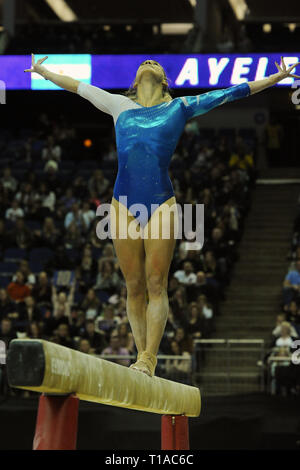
174 433
56 424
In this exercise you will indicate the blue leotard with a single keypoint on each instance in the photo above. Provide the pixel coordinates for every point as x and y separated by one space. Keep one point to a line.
146 138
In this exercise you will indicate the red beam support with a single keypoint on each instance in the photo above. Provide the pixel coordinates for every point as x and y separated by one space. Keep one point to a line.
56 425
174 433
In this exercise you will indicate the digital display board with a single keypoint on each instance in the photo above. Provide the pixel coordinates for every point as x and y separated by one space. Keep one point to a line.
118 71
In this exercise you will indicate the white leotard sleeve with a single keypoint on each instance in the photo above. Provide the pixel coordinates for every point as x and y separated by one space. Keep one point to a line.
110 103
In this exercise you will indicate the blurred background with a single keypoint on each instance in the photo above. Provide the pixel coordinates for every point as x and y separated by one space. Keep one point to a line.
235 304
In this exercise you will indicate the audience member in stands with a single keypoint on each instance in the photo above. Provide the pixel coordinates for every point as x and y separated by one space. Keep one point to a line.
34 331
6 304
14 211
49 235
62 336
7 332
18 290
96 340
196 324
52 151
85 346
99 185
29 277
42 290
8 181
115 348
20 235
291 285
107 321
126 337
107 278
285 339
186 275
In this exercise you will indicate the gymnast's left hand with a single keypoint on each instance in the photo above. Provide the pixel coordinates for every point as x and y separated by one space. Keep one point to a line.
283 72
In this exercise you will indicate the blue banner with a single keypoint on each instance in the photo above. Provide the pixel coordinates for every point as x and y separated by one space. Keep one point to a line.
118 71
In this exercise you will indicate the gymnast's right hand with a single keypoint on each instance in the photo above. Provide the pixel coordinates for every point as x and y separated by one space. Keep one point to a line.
36 66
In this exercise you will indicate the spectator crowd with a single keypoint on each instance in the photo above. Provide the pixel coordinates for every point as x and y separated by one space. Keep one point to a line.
60 282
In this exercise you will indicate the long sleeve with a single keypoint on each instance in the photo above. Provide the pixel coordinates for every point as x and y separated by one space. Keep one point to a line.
109 103
201 104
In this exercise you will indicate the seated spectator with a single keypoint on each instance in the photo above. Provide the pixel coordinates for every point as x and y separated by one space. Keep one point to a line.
29 277
184 340
96 340
100 185
126 337
68 199
196 325
28 312
178 369
205 307
26 196
18 290
47 199
51 151
49 235
91 304
86 272
108 254
14 212
5 241
88 216
75 216
178 304
285 339
6 304
20 235
186 275
73 238
107 278
291 285
7 332
8 181
42 290
60 261
173 286
62 336
93 237
107 321
51 322
115 349
85 346
33 330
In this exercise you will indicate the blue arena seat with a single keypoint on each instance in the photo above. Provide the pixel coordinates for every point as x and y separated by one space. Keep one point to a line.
7 268
14 254
4 281
40 254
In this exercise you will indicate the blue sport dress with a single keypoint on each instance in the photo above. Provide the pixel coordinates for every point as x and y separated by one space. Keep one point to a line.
146 138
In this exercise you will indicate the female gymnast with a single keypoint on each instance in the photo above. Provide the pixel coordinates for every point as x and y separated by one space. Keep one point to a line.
148 125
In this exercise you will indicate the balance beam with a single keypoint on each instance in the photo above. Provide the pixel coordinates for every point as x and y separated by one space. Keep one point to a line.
51 369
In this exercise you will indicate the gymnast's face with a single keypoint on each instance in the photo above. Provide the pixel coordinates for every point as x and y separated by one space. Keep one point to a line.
150 67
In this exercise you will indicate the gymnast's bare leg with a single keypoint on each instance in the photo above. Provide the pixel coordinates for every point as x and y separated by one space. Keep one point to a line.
145 265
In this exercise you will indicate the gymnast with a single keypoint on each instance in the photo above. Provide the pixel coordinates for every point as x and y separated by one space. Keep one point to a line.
148 124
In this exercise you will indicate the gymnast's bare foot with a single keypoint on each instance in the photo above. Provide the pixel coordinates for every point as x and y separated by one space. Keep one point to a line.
146 363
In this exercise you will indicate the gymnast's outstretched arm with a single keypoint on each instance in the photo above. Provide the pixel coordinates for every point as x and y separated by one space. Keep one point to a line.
110 103
62 81
200 104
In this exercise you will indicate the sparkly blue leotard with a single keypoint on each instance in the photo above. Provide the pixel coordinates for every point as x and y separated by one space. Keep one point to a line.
146 138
